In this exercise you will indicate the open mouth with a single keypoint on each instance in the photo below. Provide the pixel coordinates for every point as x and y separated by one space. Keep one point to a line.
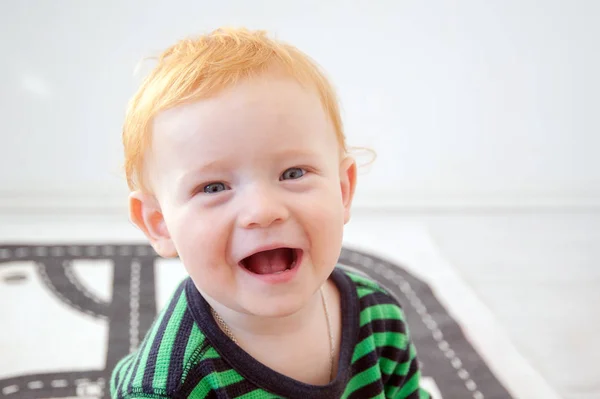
274 261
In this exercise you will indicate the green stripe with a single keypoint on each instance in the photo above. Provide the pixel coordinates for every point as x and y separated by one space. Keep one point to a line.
210 353
196 338
215 380
127 375
362 291
408 388
161 370
358 279
119 371
380 312
135 359
389 366
145 350
258 394
362 379
367 345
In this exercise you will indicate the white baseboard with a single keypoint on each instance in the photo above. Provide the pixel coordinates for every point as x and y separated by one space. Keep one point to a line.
113 201
486 201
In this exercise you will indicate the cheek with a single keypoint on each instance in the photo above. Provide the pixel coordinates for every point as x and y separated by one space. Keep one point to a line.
327 205
324 220
201 239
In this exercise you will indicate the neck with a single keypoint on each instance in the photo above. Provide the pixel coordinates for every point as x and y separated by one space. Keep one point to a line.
249 325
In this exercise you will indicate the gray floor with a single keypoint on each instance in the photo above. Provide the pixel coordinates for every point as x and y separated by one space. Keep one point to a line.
540 275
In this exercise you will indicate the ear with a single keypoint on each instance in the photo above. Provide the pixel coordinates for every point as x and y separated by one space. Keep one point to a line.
347 184
145 213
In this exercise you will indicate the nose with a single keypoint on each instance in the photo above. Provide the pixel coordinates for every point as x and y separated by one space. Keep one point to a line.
261 208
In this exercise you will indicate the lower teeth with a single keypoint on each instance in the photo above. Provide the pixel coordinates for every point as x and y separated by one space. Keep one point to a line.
283 271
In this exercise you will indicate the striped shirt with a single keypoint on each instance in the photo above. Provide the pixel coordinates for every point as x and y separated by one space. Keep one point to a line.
186 355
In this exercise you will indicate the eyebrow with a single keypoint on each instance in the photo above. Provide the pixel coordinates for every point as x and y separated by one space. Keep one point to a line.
211 166
293 152
219 165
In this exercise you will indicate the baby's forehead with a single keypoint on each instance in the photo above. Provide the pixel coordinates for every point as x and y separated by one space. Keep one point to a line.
251 108
200 135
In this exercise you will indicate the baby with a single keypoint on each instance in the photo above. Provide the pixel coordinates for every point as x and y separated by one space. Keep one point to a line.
237 164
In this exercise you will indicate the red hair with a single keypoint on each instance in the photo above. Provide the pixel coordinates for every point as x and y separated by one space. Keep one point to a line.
194 69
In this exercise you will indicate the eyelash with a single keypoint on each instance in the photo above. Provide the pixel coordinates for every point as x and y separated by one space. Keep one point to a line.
294 168
225 187
212 184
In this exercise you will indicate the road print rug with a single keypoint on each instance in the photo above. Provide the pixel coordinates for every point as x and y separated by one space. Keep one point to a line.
70 312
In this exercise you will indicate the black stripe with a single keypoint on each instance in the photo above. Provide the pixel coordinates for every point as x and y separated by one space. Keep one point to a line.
372 358
377 298
178 353
211 395
381 325
119 313
201 370
119 383
399 380
414 395
369 283
237 389
136 363
215 365
363 363
392 353
371 390
116 379
153 355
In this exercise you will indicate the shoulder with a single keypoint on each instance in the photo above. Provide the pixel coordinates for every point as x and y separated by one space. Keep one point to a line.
383 340
379 311
369 291
158 367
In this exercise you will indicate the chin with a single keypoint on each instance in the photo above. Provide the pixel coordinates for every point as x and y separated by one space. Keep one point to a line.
282 308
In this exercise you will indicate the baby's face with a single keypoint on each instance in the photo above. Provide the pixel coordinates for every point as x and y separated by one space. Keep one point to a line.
254 193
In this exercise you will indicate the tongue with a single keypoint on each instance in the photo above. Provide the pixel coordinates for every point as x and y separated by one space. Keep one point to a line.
268 262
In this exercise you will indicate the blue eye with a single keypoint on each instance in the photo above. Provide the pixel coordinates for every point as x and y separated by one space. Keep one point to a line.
292 173
213 188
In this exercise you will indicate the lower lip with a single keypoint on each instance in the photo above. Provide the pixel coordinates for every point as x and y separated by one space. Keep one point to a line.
279 278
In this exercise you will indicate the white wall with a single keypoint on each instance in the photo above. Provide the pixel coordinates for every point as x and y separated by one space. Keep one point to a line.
466 102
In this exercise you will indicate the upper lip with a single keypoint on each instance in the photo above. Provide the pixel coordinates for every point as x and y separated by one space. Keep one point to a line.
262 249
